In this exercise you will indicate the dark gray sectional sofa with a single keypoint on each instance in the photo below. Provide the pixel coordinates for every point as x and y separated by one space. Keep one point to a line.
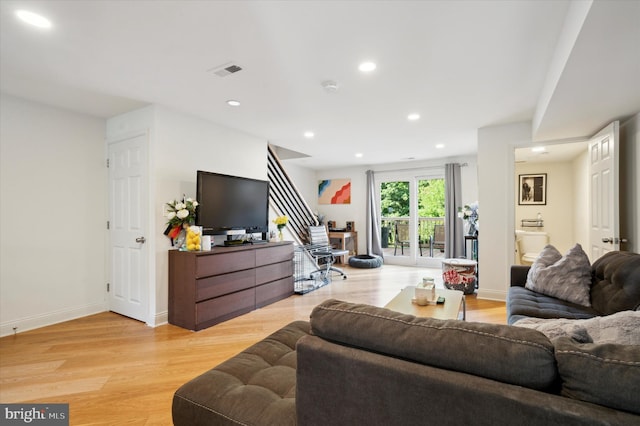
356 364
615 287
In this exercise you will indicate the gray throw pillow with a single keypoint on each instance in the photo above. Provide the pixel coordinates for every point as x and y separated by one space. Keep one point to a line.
565 277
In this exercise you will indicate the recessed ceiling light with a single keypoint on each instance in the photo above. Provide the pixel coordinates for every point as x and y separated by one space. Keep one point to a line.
440 146
367 66
413 117
232 102
33 19
309 135
538 149
359 155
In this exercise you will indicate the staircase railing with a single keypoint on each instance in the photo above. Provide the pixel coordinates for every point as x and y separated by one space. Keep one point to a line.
286 199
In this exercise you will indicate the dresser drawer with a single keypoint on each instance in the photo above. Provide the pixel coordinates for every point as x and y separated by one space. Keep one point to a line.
273 291
213 311
219 285
222 263
274 254
276 271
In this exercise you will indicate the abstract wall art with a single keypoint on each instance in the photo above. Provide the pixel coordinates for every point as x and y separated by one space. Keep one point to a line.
334 191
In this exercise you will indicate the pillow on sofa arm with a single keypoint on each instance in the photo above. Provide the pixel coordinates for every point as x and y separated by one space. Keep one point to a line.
565 277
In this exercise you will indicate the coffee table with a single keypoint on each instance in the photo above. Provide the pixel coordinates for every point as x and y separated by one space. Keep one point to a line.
453 302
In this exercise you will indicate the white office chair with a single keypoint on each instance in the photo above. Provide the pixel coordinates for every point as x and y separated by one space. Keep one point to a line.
324 253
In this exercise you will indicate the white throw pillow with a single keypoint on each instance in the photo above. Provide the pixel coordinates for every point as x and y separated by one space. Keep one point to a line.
565 277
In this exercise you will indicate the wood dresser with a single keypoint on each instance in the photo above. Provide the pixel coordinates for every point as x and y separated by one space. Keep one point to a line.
209 287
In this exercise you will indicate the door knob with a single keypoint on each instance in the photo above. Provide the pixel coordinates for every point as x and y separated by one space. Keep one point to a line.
141 240
607 240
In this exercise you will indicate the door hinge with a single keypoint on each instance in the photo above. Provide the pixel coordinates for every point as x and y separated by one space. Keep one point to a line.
108 225
108 287
107 163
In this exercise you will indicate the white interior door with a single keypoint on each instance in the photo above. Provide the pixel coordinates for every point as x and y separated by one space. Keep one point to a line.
604 219
129 288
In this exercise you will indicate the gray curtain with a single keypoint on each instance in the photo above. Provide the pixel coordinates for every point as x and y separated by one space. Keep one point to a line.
454 233
374 245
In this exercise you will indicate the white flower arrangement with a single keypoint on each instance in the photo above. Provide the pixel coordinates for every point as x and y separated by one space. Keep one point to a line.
180 214
469 213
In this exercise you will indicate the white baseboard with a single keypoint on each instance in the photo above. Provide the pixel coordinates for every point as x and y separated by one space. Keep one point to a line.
160 318
30 323
492 295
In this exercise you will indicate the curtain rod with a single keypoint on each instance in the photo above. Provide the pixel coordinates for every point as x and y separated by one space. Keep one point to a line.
418 168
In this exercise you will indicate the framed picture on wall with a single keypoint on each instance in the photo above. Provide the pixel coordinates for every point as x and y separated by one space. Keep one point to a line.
334 191
533 189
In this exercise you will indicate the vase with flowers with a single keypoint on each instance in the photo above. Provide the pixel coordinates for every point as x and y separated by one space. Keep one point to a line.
281 222
181 215
469 213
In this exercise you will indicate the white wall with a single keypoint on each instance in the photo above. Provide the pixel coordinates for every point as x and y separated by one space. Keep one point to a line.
53 213
630 182
580 166
341 213
180 145
305 182
496 185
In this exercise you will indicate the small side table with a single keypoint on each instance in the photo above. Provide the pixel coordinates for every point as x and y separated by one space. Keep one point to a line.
473 239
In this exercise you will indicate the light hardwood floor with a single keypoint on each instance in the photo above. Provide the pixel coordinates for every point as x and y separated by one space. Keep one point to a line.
113 370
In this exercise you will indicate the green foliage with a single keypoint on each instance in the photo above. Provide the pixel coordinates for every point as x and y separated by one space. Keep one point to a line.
431 198
394 198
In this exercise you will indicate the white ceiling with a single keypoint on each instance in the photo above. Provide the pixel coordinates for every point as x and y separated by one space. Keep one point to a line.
561 152
461 65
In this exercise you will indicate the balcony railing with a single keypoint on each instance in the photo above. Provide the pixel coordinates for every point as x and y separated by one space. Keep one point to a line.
425 230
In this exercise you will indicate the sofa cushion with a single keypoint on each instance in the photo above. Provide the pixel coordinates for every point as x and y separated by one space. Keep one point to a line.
616 282
565 277
522 303
605 374
256 386
621 328
526 356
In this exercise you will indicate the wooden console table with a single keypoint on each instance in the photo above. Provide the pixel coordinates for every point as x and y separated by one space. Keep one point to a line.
343 236
208 287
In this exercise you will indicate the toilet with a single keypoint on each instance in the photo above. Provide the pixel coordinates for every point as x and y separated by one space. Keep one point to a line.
529 244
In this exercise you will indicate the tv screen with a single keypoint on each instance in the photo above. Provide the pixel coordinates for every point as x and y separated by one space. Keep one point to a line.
231 203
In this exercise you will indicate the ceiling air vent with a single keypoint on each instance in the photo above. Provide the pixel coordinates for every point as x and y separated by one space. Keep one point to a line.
226 69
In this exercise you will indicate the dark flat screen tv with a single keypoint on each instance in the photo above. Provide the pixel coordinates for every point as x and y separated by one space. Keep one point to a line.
231 203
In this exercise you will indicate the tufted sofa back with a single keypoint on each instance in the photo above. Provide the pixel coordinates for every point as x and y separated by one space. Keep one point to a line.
616 282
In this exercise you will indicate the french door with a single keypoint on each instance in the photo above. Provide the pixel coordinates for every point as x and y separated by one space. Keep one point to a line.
412 216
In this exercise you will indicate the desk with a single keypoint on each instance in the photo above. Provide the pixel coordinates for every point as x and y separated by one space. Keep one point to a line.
343 236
